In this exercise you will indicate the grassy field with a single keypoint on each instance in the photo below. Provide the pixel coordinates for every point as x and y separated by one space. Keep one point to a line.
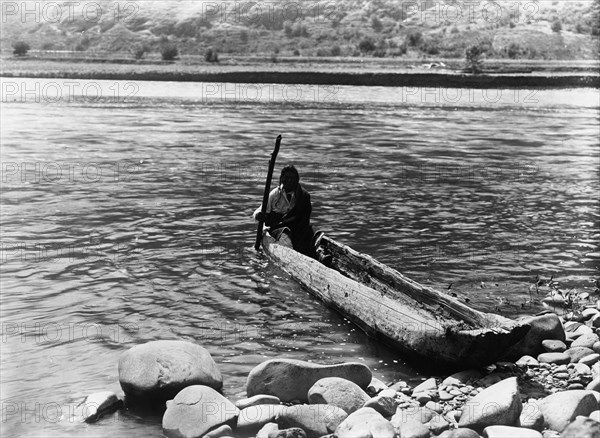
194 64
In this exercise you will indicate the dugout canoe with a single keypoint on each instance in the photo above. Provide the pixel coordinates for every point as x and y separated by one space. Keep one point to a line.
427 326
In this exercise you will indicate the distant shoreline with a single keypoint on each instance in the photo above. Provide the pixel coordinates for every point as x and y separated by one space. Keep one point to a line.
369 74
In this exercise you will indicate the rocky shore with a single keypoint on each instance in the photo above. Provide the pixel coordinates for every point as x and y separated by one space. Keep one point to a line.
552 392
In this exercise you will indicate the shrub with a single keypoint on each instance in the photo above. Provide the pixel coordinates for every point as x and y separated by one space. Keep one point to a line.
414 38
556 26
473 58
402 48
20 48
430 47
514 51
169 52
336 50
139 51
300 30
211 55
244 36
366 45
376 24
296 52
287 29
512 24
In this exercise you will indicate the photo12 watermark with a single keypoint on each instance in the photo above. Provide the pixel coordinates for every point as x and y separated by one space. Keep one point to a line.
469 11
43 11
67 91
55 332
269 13
268 93
59 253
66 172
449 95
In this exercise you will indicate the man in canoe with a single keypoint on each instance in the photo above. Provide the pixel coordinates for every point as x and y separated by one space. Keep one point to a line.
289 207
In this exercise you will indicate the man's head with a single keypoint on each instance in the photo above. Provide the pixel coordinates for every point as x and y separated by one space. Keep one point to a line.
289 178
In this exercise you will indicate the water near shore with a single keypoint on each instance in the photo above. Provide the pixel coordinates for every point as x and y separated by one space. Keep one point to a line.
126 218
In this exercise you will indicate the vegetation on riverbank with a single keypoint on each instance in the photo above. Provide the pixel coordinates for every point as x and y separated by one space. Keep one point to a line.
563 30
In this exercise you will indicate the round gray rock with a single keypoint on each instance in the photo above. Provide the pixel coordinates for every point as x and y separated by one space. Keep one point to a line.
556 358
554 345
582 427
585 340
578 353
562 408
461 432
338 392
195 411
315 420
365 422
499 404
291 379
158 370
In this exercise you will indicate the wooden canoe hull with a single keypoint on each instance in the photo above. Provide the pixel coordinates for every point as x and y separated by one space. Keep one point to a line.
451 334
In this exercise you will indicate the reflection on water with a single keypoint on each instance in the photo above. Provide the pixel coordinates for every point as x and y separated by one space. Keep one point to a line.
129 221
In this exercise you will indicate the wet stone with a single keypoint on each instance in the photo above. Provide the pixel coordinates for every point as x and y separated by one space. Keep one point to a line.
554 358
527 361
577 353
590 359
553 346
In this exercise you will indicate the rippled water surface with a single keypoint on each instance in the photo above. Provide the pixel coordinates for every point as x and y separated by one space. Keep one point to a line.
127 219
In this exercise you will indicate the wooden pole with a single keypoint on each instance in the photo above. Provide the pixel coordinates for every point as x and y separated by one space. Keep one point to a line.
259 229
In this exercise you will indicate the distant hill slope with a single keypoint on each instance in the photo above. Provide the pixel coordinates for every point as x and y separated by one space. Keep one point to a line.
385 28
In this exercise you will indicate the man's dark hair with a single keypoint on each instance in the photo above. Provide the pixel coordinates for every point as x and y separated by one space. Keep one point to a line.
290 168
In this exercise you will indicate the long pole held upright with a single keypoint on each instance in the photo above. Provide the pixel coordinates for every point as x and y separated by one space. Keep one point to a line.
259 229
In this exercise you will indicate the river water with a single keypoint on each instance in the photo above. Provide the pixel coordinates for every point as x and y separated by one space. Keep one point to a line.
126 218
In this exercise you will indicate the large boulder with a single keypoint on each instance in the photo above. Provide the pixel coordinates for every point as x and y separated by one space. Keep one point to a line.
158 370
291 379
578 353
412 429
461 432
253 418
531 416
337 392
543 327
582 428
554 358
385 403
510 432
365 423
499 404
259 399
561 408
315 420
195 411
292 432
421 414
428 385
586 340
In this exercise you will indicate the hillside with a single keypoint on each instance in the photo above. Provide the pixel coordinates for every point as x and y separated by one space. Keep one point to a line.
560 30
